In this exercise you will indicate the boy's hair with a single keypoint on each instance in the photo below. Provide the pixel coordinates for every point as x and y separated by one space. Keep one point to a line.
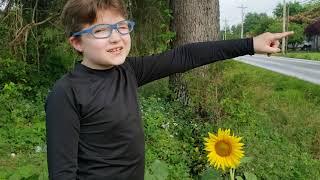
77 13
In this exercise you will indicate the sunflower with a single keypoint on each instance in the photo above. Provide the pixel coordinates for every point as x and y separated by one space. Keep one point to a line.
224 150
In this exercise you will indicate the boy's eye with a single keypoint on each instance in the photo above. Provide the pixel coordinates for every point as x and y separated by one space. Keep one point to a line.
123 25
101 30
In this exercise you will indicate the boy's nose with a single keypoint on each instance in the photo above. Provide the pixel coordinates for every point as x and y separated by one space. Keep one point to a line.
115 36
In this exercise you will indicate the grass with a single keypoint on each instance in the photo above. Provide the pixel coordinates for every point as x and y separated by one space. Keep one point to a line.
25 165
279 118
303 55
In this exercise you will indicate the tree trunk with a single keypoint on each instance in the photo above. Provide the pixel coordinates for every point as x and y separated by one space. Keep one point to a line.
194 21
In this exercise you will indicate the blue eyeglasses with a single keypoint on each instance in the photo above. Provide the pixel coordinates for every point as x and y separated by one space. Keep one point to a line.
101 31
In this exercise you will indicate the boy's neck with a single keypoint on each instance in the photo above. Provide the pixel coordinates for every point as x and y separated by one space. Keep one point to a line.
96 67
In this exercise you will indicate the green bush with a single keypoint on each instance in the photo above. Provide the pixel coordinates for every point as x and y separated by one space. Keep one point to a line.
22 120
13 71
161 141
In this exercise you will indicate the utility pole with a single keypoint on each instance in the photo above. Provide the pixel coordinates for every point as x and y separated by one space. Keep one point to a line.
287 26
242 18
283 47
225 29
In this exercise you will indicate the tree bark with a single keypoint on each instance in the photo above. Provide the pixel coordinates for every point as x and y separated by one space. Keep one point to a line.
194 21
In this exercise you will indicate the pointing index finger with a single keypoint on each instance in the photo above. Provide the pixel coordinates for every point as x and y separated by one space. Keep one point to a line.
282 35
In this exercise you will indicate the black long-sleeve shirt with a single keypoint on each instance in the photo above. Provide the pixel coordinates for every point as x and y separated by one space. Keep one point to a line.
94 128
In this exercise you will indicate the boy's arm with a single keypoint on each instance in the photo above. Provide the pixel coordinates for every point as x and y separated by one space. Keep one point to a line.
187 57
62 123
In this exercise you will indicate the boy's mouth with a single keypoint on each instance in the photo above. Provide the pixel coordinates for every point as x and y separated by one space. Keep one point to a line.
115 50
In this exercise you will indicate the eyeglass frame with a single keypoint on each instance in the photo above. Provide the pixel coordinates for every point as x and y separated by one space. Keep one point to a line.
113 27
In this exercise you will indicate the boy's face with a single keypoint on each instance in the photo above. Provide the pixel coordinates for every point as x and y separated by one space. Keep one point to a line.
103 53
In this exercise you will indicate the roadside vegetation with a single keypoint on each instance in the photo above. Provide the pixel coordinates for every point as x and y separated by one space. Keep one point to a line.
278 117
303 55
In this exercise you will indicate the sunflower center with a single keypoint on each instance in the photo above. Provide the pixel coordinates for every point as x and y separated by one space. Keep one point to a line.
223 148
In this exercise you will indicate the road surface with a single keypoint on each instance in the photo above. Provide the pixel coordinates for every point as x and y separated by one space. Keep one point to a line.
302 69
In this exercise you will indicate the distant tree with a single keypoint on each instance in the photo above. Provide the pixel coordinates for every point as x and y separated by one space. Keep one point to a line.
294 9
233 32
293 40
255 23
310 13
313 29
311 4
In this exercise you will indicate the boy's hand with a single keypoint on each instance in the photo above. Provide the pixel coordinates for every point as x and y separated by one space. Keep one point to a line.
269 42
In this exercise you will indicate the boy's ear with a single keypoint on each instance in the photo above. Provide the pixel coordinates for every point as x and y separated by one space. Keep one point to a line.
76 43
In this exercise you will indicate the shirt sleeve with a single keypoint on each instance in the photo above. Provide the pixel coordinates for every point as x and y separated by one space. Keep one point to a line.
62 125
183 58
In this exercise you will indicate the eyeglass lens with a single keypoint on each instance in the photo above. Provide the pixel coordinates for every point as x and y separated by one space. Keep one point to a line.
103 30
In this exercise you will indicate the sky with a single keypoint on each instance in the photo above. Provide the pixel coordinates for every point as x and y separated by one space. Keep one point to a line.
229 9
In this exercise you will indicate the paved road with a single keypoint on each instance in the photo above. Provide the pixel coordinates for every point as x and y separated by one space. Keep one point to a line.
302 69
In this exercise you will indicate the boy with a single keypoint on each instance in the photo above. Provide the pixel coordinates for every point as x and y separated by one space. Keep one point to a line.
94 128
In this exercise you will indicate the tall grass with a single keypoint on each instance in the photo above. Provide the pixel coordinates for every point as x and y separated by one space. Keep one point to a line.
277 116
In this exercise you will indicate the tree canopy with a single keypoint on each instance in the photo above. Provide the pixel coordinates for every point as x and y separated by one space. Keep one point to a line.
313 29
293 7
256 23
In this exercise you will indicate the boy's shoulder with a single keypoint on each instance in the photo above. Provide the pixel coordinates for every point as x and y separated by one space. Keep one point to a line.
62 85
67 80
64 80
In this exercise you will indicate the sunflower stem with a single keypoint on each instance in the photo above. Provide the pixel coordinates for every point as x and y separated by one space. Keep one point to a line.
232 171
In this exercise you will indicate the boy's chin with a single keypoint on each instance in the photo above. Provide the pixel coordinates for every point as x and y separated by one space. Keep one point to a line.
118 61
114 63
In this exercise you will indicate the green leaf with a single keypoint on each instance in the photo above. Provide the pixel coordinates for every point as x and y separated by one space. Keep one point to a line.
210 174
148 176
158 171
250 176
239 178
